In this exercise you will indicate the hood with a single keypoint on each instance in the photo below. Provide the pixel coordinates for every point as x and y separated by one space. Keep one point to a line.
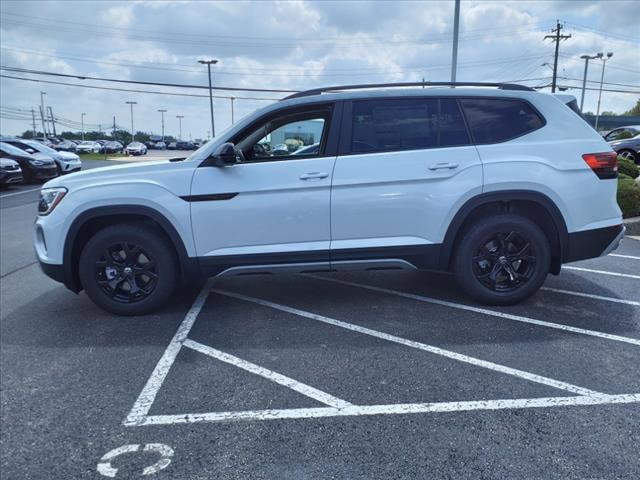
68 156
139 172
41 156
5 162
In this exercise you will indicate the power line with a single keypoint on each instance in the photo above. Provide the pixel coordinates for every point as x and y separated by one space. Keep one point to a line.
95 87
138 82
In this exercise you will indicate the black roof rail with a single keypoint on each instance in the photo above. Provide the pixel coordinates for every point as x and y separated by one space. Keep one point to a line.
318 91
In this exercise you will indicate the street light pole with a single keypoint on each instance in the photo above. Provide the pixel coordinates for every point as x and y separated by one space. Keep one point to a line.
162 112
584 79
454 53
133 134
180 117
208 63
232 115
82 124
604 63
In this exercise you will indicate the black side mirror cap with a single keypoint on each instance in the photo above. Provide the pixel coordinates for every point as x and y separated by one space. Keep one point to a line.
223 156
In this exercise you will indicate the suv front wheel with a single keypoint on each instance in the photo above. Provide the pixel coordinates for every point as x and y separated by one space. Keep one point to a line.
502 260
128 269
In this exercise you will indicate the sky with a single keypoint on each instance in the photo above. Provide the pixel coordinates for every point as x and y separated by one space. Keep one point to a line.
292 46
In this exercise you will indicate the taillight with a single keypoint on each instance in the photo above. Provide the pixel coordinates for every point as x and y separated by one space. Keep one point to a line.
604 165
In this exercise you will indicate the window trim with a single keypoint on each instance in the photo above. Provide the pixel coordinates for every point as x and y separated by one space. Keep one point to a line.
328 143
512 99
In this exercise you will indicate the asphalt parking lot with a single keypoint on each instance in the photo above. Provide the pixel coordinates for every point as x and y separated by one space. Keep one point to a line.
368 375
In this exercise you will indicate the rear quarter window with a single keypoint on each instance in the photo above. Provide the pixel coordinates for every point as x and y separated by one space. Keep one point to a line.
498 120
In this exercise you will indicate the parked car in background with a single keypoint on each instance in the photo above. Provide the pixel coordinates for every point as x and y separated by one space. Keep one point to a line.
171 146
88 146
160 145
628 148
45 141
10 172
66 162
112 147
183 145
36 166
308 150
66 146
136 148
622 133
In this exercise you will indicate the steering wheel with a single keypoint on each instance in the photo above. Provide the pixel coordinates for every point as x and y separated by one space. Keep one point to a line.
259 150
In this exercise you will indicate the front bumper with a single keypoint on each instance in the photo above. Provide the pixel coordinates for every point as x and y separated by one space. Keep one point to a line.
593 243
10 176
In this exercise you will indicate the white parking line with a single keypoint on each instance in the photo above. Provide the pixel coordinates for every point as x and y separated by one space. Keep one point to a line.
417 345
624 256
288 382
590 295
18 193
393 409
485 311
148 394
602 272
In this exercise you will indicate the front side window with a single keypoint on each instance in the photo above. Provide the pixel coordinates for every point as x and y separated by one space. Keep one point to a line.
295 135
498 120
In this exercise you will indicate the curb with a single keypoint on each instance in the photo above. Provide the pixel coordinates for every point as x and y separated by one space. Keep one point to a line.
633 225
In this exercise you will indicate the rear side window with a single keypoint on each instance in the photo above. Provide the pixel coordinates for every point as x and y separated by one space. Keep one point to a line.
498 120
406 124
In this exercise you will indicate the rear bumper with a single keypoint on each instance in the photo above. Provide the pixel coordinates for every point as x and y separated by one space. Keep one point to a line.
593 243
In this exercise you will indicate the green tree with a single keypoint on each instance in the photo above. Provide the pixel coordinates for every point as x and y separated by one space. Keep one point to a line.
635 111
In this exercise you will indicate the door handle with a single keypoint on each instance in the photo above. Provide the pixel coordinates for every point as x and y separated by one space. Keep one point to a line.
313 176
443 166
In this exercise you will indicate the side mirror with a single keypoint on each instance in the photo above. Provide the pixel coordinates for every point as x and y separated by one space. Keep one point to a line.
224 156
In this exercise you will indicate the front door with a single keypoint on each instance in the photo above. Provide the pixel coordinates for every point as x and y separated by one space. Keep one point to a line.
273 205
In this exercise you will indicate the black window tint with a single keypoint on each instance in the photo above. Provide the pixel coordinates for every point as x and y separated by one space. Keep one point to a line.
451 124
496 120
386 125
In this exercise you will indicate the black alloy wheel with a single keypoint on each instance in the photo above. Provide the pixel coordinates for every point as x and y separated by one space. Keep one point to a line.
504 261
126 272
501 259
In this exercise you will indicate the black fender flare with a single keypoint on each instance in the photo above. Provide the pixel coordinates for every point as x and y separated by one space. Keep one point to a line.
188 265
503 196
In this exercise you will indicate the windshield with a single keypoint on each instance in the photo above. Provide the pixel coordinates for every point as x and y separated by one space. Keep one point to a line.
40 147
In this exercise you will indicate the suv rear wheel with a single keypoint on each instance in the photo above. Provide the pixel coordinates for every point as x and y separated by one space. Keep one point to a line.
128 269
502 260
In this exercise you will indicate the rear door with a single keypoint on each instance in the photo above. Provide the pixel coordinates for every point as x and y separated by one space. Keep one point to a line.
405 165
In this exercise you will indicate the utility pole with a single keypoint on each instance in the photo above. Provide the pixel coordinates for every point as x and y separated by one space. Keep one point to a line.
53 121
556 38
604 62
454 53
180 117
44 126
33 118
133 133
208 63
232 116
82 124
114 127
162 112
42 113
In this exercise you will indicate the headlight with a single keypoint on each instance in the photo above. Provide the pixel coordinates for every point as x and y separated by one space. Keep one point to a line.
37 162
49 199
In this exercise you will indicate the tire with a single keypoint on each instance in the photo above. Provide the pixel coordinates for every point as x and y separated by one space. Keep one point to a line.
502 260
128 269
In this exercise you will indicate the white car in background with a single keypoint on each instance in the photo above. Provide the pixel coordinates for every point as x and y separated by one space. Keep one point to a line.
136 148
88 146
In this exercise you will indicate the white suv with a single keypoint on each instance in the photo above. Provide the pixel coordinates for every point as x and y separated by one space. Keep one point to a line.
499 185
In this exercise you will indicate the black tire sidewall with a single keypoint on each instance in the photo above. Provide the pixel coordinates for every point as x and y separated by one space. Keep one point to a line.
157 248
468 246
